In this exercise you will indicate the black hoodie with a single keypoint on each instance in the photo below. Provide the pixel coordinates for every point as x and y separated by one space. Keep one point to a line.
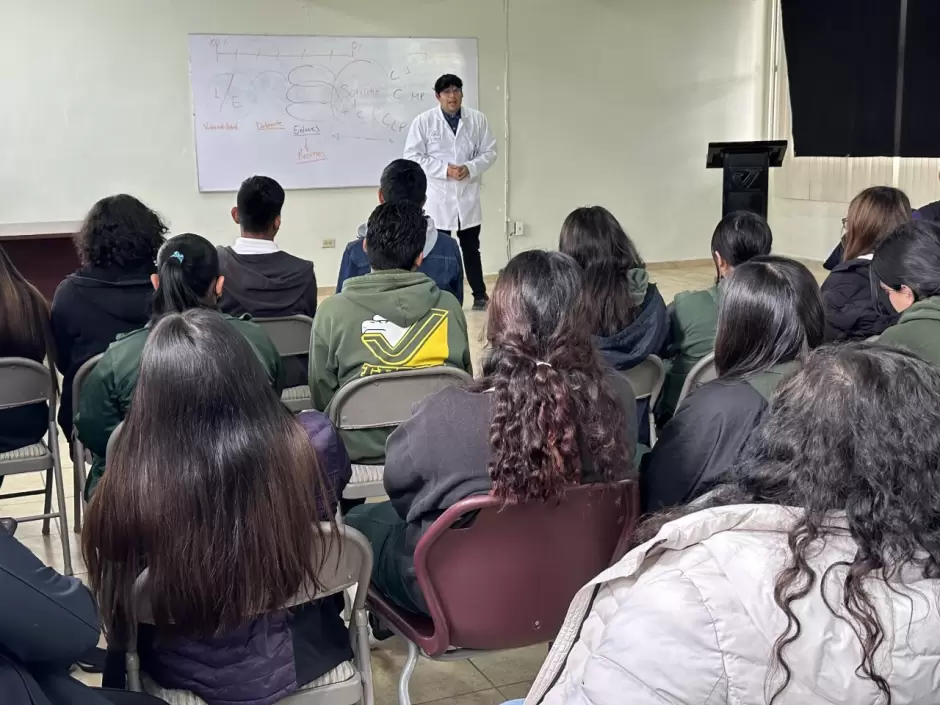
269 286
89 310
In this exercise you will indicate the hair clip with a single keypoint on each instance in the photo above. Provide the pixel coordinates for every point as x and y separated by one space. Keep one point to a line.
540 363
178 255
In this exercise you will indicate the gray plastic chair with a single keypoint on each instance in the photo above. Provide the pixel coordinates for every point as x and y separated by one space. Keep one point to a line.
24 382
348 563
80 457
703 372
291 337
647 380
384 401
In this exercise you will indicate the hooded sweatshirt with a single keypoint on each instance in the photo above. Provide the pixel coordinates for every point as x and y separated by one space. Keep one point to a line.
645 336
383 322
90 309
441 261
918 330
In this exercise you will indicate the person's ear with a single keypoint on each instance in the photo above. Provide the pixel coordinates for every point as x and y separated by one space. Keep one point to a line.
723 267
277 224
418 262
235 215
219 284
381 196
424 202
365 247
155 280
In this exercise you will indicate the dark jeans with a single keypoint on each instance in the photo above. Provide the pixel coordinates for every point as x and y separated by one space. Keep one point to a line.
393 572
472 265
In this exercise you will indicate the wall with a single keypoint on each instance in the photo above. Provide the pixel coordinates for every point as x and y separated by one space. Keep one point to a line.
612 102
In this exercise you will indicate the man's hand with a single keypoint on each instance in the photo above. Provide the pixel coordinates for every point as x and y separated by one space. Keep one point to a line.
453 172
462 173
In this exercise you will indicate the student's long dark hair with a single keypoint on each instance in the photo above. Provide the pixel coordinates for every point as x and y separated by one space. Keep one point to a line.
597 242
550 395
855 431
212 485
873 213
24 316
188 267
771 311
910 256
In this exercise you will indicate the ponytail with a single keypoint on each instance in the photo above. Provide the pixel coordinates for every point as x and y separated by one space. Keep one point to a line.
188 266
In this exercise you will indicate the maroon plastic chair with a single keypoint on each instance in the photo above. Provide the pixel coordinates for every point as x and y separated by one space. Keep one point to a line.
504 579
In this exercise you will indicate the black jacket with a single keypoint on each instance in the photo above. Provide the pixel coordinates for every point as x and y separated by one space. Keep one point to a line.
89 310
47 621
270 286
705 437
856 308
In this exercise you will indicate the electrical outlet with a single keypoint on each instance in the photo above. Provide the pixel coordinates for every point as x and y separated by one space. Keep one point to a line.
518 228
329 243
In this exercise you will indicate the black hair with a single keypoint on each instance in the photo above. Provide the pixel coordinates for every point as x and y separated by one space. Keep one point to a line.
853 433
771 311
120 231
260 200
741 236
551 397
395 236
404 181
910 256
188 266
448 80
597 242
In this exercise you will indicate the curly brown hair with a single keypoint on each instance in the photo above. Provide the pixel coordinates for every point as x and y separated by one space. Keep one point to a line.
120 231
552 406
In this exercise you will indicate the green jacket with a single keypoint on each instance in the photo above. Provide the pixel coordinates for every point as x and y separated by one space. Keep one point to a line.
106 394
918 330
383 322
692 326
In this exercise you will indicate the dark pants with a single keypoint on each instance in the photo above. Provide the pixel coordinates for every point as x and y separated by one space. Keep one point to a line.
393 572
472 265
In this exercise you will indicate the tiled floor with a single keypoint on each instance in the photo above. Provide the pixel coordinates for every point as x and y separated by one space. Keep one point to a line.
483 681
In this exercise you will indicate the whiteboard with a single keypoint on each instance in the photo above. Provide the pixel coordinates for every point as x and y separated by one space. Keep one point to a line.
313 112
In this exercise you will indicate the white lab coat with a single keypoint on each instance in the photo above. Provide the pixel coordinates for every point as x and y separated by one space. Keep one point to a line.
431 143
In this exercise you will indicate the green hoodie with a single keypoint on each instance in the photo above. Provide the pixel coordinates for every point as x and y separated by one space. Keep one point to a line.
106 394
383 322
918 330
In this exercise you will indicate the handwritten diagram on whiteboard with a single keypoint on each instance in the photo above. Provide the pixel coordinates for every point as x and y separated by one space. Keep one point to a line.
313 112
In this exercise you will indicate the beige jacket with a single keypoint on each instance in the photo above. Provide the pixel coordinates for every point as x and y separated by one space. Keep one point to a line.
689 618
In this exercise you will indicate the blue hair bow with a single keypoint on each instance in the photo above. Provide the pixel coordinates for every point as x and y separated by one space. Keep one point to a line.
178 255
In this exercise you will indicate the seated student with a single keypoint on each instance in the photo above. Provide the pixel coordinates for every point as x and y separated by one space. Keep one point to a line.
809 576
770 313
626 312
111 293
854 308
187 277
907 267
261 279
24 332
47 622
404 181
395 318
544 415
215 488
693 315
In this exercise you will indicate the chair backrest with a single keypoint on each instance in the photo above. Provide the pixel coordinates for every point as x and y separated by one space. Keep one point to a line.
290 334
507 578
647 378
385 400
24 382
703 372
79 380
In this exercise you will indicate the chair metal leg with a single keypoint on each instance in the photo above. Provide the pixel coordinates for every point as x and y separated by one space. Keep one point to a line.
78 465
47 504
403 696
63 514
364 656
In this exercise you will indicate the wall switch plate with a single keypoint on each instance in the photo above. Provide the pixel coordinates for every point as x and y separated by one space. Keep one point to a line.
518 228
329 244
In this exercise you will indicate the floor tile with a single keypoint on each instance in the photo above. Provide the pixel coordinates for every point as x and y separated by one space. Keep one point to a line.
509 667
516 691
432 680
483 697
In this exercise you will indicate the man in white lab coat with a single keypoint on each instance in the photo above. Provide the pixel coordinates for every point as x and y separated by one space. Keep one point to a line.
454 146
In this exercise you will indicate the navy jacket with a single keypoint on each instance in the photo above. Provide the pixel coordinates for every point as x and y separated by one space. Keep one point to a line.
270 657
441 263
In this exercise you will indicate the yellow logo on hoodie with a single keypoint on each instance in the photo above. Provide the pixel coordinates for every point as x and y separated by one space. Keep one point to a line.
422 344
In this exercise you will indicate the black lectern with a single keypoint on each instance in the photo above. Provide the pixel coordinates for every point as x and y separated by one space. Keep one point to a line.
747 172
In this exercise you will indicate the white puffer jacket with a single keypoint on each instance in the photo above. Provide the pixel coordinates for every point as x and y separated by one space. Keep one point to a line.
689 618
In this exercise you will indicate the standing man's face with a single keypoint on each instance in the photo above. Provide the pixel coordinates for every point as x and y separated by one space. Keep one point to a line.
450 99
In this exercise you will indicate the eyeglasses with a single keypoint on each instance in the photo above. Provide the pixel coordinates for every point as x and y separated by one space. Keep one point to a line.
452 91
